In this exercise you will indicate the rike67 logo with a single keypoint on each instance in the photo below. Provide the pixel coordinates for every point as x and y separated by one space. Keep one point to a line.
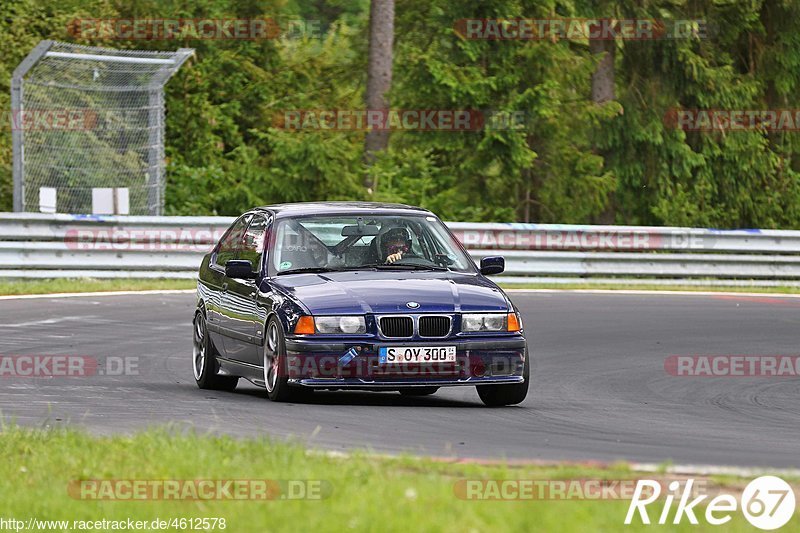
767 502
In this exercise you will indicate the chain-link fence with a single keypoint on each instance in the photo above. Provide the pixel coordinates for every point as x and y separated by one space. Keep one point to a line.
88 129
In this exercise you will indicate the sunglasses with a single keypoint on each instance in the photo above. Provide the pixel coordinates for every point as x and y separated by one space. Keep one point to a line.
394 248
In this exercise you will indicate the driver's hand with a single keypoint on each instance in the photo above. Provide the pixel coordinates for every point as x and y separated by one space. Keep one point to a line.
394 257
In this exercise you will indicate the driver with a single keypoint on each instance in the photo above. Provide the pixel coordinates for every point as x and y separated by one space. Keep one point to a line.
395 243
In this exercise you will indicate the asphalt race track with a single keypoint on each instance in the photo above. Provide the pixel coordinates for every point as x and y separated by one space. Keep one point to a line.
599 391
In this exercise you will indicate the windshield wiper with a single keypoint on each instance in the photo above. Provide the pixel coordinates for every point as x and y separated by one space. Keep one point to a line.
309 270
391 266
377 266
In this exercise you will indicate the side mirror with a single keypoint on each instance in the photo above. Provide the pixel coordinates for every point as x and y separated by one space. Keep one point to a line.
492 265
239 269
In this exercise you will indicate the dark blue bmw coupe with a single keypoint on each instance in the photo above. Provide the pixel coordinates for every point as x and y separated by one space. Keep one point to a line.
346 295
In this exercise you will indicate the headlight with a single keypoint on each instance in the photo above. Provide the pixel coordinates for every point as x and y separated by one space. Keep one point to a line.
484 322
341 324
491 322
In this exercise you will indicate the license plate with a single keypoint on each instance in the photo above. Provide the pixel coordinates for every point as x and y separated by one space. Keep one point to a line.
416 354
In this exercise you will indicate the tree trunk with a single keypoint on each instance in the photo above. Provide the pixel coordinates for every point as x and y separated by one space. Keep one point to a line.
379 75
603 76
603 91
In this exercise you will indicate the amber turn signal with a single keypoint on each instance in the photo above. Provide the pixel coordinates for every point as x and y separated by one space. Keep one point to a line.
305 326
513 322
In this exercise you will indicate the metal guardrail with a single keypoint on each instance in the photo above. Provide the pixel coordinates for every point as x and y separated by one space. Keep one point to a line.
44 246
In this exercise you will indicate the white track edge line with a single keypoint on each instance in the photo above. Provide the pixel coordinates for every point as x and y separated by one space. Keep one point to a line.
635 292
93 294
688 469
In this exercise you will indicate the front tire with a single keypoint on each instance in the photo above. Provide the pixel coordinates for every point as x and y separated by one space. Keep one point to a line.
204 359
499 395
277 384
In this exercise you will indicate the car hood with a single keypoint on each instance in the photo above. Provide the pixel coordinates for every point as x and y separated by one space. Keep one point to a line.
358 292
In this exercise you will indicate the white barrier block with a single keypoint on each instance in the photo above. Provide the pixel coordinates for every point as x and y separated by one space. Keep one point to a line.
110 201
122 203
47 199
102 201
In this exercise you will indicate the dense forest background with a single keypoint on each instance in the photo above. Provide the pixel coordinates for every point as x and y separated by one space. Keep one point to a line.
583 156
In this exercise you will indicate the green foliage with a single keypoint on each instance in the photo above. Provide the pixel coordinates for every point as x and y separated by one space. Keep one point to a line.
571 160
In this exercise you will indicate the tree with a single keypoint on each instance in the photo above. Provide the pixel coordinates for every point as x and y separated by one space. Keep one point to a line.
379 76
603 91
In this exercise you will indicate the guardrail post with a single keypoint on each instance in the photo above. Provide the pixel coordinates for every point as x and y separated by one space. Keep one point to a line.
17 131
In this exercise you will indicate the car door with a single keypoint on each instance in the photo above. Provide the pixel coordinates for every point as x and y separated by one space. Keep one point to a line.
242 319
227 249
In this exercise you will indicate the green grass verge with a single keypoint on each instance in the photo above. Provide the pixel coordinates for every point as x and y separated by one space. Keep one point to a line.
55 285
364 493
49 286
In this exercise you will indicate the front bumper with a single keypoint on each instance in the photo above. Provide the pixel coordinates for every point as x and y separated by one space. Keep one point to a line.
323 363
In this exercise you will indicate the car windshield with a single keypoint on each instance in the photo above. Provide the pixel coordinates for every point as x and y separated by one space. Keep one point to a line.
329 243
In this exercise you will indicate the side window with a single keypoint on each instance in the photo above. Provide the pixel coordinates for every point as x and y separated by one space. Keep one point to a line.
231 243
253 246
